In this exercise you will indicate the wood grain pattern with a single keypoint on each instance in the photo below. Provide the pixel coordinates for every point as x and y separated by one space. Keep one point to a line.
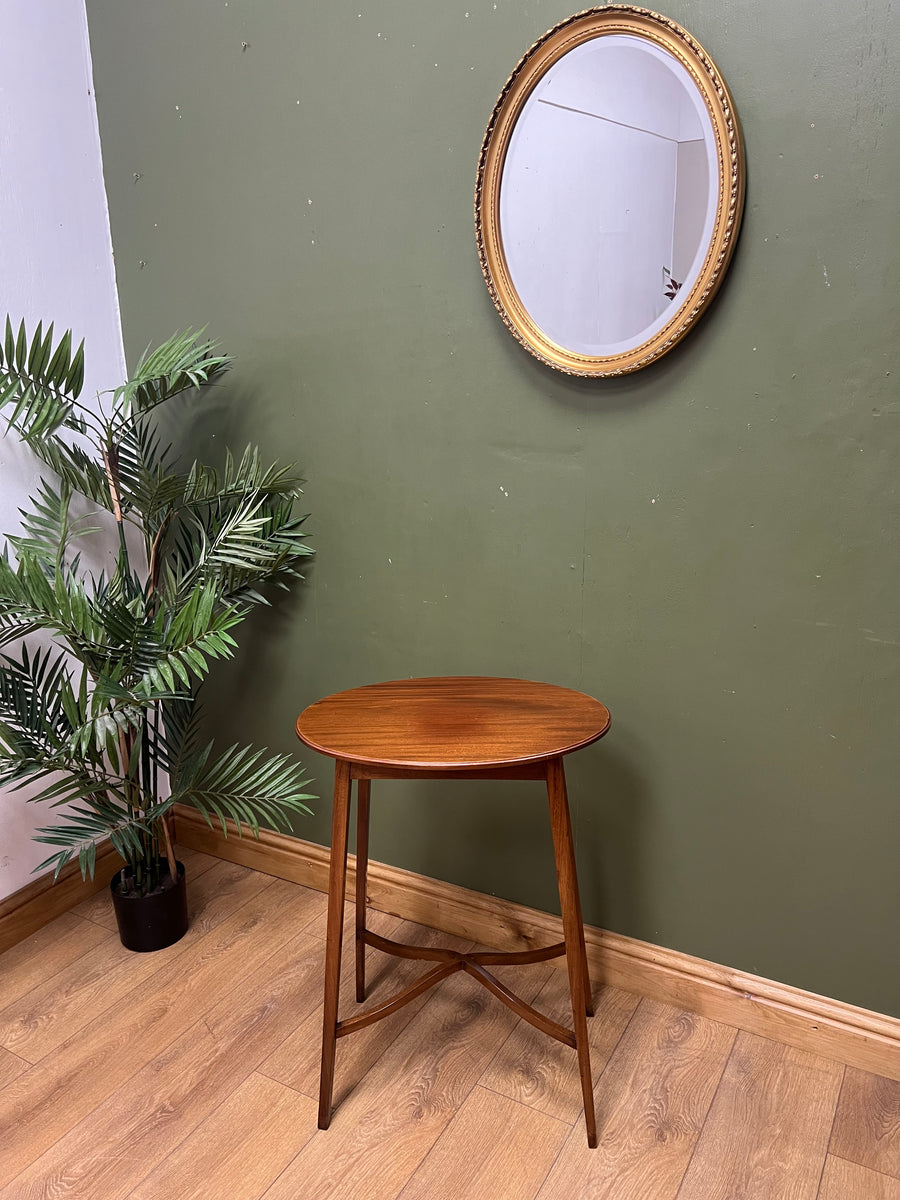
418 1119
381 1132
296 1062
867 1126
380 922
240 1149
144 1120
652 1100
98 909
55 1010
52 1012
98 1059
842 1180
118 1142
334 934
41 955
36 904
10 1066
543 1074
493 1148
441 727
573 926
768 1130
451 722
832 1028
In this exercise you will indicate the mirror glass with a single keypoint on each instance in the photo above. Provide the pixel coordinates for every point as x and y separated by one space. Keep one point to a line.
610 188
605 199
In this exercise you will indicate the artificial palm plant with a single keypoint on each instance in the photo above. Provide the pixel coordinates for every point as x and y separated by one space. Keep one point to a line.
103 719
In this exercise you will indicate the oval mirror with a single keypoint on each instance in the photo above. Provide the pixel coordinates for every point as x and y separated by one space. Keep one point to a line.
610 190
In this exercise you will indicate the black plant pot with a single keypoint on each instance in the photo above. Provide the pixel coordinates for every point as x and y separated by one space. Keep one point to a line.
156 920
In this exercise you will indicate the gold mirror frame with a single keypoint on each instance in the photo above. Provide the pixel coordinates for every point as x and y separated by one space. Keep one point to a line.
545 53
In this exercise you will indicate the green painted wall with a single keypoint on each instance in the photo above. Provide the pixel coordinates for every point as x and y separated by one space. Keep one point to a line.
707 546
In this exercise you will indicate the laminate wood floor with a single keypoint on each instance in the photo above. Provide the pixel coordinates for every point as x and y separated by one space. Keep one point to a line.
193 1073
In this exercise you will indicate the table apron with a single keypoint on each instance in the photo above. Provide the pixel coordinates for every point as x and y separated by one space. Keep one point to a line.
537 770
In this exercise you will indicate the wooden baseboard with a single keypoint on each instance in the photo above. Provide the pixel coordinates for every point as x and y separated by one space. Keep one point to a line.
856 1036
31 907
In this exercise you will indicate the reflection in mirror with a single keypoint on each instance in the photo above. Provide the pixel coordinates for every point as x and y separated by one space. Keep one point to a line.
609 192
605 199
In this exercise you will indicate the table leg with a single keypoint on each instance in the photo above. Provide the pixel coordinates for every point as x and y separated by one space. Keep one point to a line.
573 931
337 879
362 867
588 996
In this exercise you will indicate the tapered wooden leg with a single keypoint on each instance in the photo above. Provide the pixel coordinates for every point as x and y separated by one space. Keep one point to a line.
337 879
362 867
573 931
588 995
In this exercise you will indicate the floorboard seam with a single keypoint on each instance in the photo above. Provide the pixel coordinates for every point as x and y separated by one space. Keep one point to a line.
486 1087
837 1105
709 1109
865 1167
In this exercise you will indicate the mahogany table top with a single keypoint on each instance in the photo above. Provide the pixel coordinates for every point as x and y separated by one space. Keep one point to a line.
452 723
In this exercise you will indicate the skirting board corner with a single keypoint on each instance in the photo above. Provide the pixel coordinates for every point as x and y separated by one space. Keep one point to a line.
39 902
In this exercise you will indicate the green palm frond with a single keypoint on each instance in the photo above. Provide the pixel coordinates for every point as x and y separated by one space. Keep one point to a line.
46 530
92 616
177 739
82 826
38 712
240 543
66 784
102 726
211 542
145 658
34 690
245 785
129 704
91 725
49 529
197 635
26 598
286 541
248 476
238 539
150 487
178 365
76 468
40 383
70 609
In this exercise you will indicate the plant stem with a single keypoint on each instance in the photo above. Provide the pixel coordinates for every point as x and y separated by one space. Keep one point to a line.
111 463
170 849
126 745
155 562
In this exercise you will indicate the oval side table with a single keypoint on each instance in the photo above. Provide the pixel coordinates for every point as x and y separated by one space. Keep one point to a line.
452 728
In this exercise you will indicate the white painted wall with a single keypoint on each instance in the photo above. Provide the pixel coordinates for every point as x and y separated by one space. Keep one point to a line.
628 80
55 261
692 193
